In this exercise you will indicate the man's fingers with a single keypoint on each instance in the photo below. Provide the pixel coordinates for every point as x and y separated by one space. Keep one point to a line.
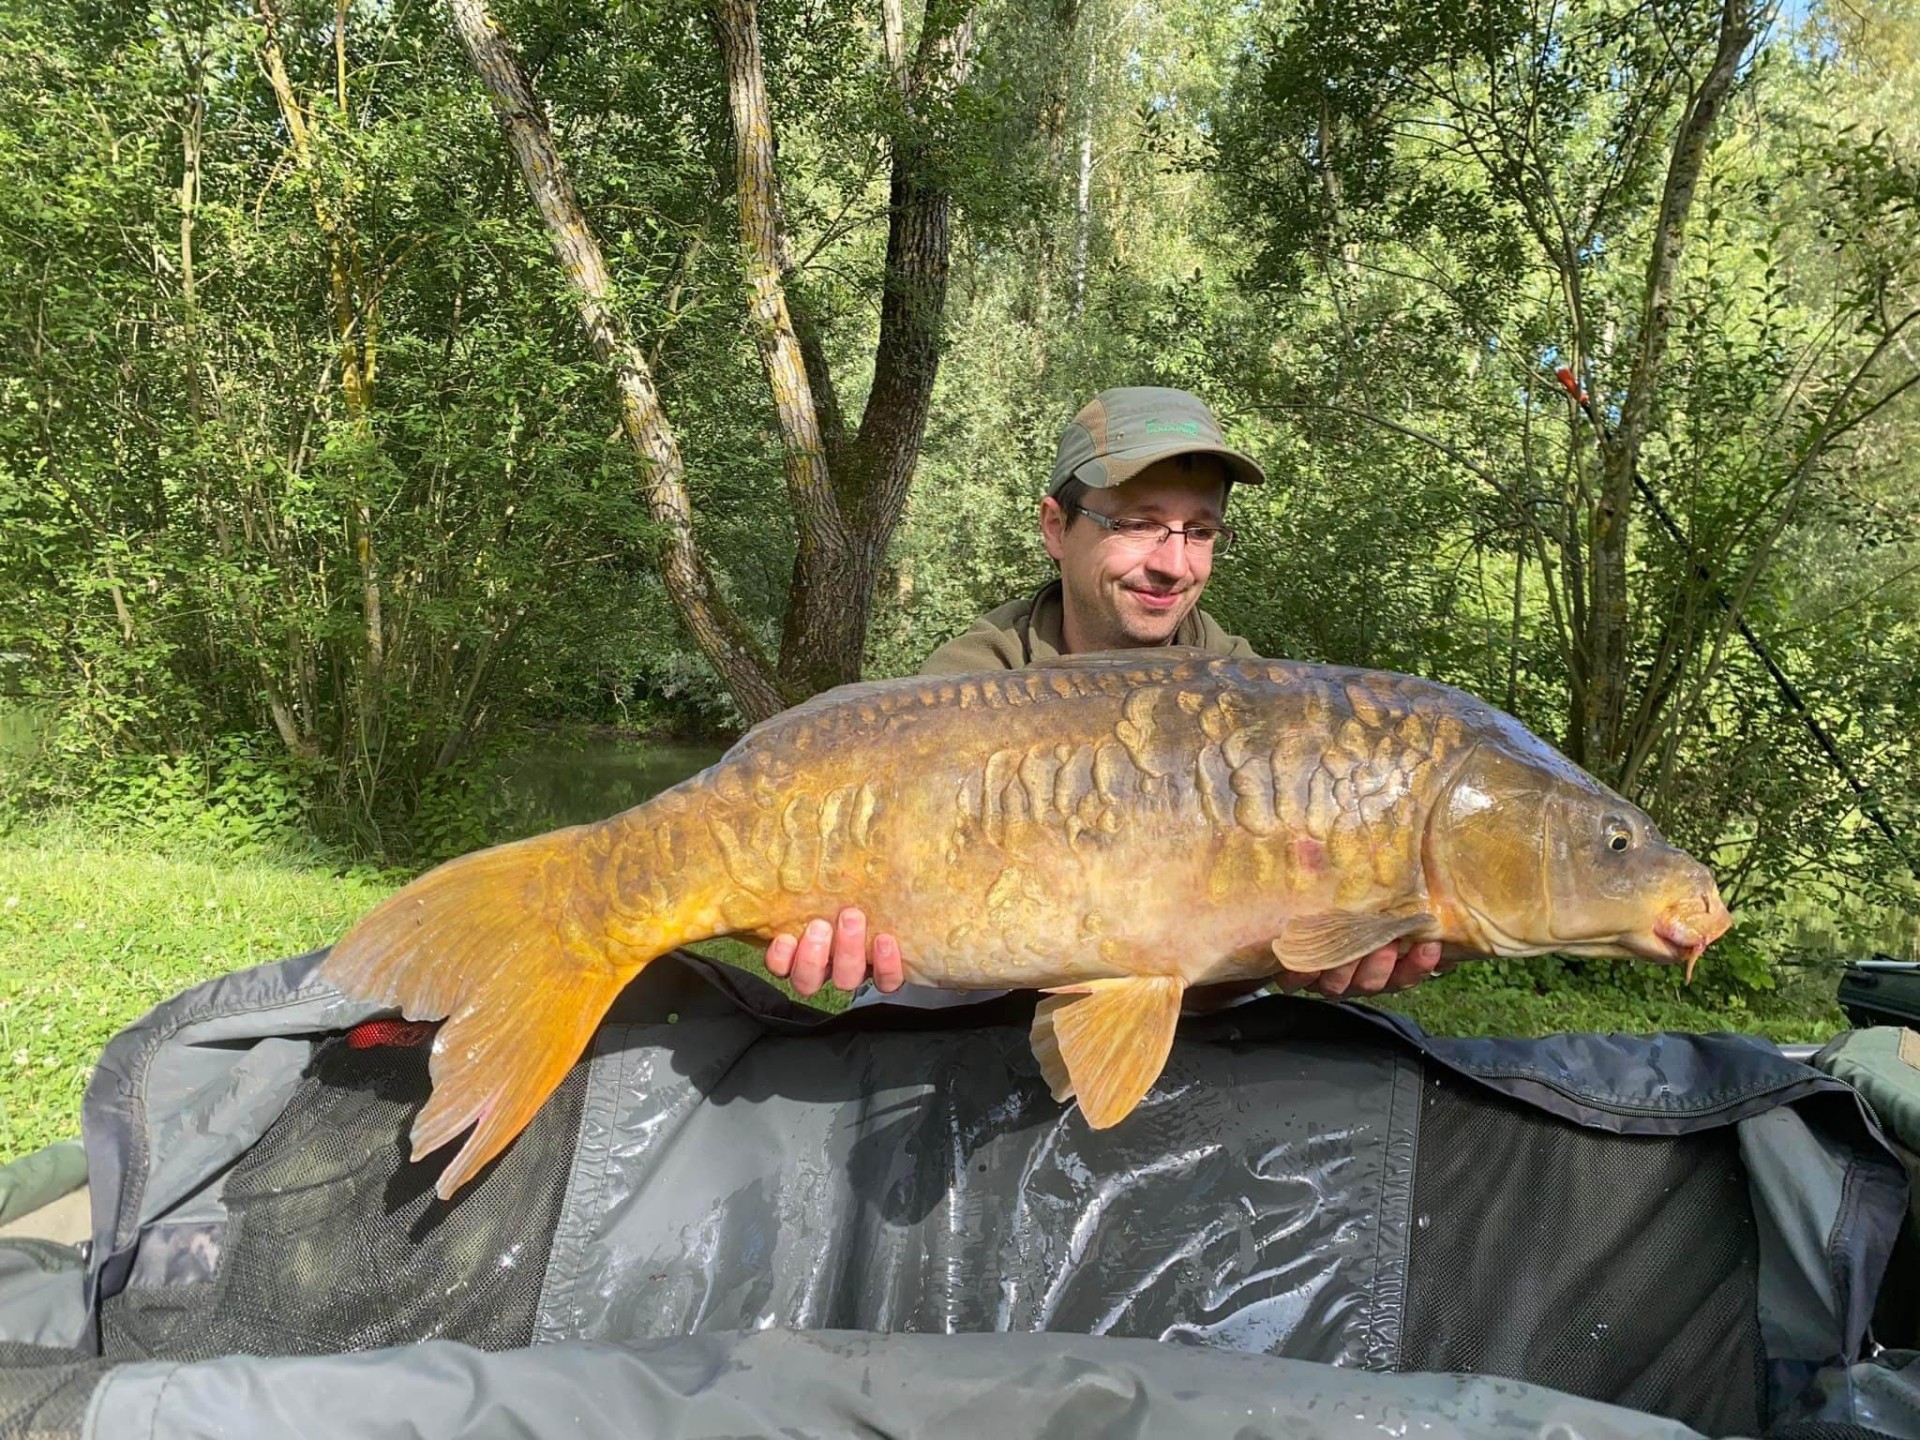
888 971
1416 965
1370 977
810 957
780 954
1333 983
850 949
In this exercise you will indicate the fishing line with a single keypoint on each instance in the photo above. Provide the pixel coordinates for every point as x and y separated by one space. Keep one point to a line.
1788 690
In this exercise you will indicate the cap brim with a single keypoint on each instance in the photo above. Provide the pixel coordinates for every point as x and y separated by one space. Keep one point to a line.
1122 465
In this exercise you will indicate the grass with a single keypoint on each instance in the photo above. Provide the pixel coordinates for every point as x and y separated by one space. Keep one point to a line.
93 934
1487 1000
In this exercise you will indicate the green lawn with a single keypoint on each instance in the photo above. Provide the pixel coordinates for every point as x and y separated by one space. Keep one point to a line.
1476 1000
92 935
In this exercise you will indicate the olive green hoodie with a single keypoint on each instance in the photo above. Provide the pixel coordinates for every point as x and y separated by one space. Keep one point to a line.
1022 632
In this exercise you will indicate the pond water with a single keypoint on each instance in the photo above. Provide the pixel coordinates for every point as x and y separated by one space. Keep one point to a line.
573 780
19 729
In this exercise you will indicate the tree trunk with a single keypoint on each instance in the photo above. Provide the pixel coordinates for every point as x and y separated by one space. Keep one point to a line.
722 638
893 35
847 492
1600 717
1083 193
812 652
353 323
912 305
846 512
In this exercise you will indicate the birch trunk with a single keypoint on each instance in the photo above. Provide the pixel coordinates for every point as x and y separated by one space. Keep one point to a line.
1083 194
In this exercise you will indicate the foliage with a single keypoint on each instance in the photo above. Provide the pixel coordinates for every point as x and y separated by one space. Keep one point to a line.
1465 210
197 507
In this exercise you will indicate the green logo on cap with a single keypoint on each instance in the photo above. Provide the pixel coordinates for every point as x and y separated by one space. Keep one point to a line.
1173 427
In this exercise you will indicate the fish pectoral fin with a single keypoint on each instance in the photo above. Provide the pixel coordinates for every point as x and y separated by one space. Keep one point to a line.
1309 944
1106 1041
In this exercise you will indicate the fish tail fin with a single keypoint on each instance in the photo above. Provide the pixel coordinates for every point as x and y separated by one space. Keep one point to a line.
516 949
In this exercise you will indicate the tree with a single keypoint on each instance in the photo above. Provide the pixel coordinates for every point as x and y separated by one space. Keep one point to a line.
846 488
221 518
1542 194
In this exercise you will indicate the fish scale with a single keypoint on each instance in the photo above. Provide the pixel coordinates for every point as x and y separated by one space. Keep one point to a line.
1110 830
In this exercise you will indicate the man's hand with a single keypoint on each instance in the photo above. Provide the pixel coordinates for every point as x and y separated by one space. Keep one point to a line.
1392 967
837 951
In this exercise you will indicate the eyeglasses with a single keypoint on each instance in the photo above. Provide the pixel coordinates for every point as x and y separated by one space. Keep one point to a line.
1147 535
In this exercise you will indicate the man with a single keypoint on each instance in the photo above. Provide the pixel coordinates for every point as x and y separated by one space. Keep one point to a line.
1134 516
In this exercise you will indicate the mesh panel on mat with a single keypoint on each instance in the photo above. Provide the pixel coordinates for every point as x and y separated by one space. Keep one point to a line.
44 1392
1621 1268
336 1242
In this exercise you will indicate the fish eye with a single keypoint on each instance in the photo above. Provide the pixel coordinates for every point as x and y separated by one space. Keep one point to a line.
1619 836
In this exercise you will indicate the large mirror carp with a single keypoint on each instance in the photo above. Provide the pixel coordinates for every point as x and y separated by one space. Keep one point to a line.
1109 829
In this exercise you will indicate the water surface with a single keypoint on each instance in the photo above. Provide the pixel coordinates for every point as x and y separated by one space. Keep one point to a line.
571 780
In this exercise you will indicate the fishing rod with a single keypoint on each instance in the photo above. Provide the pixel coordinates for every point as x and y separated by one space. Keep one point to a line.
1788 690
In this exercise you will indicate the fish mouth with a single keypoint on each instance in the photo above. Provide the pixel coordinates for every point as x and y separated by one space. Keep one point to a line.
1685 931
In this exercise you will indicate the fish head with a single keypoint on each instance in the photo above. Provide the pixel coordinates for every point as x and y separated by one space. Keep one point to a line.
1533 855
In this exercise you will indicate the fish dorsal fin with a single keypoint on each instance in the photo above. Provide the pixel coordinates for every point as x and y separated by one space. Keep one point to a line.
1106 1041
1308 944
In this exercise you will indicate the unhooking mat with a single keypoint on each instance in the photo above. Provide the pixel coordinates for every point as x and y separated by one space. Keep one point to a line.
737 1218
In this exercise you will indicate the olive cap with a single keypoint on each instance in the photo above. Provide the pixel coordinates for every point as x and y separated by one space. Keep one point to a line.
1122 431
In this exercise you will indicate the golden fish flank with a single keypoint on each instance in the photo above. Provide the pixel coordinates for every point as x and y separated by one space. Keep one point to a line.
1109 829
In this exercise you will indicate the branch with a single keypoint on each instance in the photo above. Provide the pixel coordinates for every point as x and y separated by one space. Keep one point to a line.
809 485
1452 452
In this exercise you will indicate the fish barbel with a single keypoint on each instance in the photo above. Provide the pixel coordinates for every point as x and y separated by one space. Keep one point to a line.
1111 829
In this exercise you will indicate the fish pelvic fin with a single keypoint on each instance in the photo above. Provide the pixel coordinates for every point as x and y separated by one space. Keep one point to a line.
1106 1041
511 947
1309 944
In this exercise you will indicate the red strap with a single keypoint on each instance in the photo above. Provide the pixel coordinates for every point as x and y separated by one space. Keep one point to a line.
373 1033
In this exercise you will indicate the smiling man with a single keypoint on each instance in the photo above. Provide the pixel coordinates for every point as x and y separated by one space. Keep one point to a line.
1135 517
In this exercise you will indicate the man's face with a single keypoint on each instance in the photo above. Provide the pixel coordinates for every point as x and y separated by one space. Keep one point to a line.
1119 596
